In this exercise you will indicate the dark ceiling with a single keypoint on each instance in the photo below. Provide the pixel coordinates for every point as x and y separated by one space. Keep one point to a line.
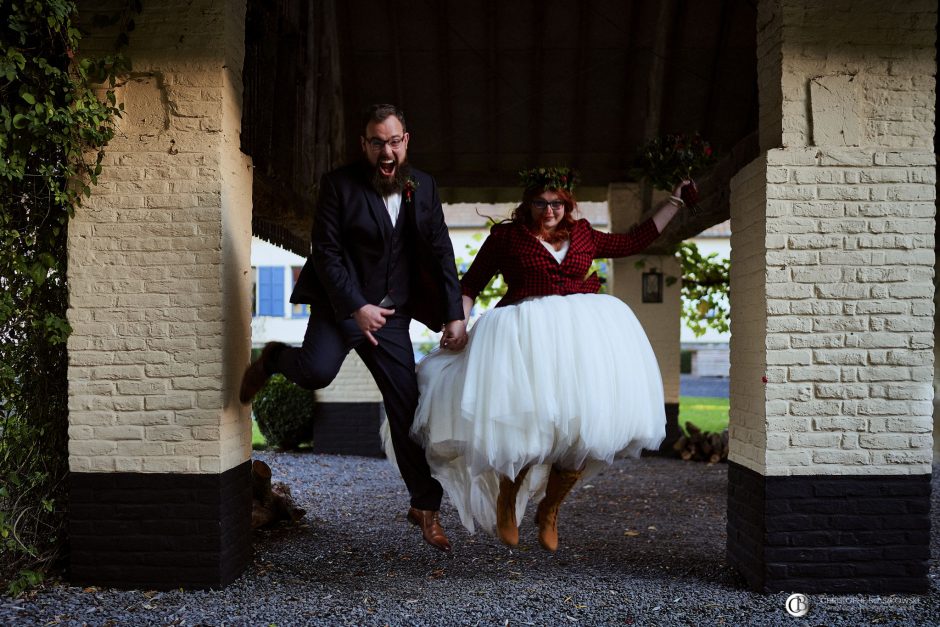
489 87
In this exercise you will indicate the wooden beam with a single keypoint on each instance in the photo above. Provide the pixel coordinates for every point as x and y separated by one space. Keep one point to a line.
721 42
655 81
330 147
446 92
490 119
628 84
350 92
535 82
579 108
393 10
280 215
655 78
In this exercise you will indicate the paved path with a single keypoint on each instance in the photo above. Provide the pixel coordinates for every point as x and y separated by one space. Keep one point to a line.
703 386
642 544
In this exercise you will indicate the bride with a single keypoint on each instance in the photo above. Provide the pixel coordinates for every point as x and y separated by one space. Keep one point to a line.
555 382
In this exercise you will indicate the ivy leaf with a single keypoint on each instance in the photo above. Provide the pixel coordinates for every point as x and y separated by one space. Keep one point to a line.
28 97
20 121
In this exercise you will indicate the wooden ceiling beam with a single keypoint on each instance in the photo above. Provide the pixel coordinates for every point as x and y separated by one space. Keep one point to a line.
721 43
579 108
393 10
662 40
536 83
490 119
627 121
447 89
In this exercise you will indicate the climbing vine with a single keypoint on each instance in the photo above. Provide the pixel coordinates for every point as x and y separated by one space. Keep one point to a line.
705 288
53 127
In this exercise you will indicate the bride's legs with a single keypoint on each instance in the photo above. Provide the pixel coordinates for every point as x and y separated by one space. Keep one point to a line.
507 528
559 485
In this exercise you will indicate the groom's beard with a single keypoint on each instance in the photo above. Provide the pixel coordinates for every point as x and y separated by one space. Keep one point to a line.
386 186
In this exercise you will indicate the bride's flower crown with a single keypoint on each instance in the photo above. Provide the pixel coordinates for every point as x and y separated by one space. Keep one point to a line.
559 177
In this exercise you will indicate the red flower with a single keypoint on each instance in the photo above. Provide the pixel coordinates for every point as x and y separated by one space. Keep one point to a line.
764 379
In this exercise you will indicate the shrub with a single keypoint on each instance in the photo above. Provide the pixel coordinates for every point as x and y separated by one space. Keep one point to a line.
285 413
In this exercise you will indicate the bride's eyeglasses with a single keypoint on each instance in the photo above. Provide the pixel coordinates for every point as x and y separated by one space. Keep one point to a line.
540 204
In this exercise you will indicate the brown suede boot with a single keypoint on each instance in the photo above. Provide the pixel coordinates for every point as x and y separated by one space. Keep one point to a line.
507 528
560 483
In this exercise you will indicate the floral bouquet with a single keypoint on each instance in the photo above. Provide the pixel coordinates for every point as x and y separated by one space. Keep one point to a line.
668 159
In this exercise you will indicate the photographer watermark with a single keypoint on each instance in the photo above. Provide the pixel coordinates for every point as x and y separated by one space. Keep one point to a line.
797 605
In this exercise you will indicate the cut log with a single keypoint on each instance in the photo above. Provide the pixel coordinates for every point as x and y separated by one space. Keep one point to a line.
701 445
271 503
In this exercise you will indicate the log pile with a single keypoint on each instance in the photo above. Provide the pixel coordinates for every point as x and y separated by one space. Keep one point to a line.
270 503
703 446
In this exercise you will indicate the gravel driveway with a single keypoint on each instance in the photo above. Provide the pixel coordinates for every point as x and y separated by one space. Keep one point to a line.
641 544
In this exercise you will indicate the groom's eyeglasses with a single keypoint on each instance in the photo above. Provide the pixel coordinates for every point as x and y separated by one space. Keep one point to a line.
378 144
554 204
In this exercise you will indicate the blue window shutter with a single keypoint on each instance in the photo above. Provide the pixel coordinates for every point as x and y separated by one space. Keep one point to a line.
271 291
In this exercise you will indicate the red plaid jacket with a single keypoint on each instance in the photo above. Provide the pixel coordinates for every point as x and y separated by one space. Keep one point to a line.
530 270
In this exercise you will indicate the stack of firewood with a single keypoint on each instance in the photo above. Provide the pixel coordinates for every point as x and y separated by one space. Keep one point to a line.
270 502
702 446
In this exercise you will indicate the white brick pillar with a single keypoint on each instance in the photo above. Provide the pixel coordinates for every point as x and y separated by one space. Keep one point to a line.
660 320
160 305
832 300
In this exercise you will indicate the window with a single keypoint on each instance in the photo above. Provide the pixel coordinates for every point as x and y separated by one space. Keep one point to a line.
298 310
271 291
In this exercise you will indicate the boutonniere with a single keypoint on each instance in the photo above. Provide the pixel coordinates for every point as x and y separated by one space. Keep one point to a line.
411 185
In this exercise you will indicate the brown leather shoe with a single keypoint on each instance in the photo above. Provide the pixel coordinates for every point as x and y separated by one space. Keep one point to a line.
430 523
256 376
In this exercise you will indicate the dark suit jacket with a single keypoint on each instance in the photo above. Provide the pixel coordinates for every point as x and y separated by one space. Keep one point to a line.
350 234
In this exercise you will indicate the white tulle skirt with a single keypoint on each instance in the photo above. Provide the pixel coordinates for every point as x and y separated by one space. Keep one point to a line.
566 380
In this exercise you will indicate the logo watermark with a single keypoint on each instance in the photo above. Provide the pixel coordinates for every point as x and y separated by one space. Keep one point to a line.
797 605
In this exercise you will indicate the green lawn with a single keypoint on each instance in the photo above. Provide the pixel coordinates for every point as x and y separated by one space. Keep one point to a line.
706 413
257 440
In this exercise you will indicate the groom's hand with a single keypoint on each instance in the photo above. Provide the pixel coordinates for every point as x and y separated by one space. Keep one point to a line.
455 335
371 318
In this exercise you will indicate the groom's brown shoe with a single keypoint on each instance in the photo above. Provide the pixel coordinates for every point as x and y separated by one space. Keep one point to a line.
430 523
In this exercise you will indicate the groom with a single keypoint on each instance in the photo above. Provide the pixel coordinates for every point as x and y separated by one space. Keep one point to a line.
381 255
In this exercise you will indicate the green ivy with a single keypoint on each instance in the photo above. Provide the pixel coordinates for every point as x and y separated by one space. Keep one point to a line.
52 130
706 281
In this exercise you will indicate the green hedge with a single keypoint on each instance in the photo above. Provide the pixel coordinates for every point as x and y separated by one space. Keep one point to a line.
285 413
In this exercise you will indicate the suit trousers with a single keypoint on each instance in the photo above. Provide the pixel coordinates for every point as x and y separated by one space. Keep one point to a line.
317 362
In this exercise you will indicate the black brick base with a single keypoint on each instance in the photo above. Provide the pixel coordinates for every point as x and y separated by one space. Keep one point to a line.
348 429
159 531
840 534
673 432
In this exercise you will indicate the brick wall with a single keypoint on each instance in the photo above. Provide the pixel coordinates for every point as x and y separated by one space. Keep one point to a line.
850 310
155 256
864 68
353 384
749 399
846 222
